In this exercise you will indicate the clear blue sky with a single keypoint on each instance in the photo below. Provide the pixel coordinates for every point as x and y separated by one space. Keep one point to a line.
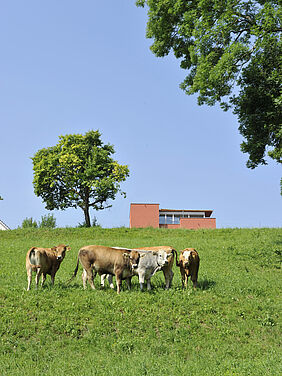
70 66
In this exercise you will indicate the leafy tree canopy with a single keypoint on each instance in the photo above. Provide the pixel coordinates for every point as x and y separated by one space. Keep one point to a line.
78 172
233 54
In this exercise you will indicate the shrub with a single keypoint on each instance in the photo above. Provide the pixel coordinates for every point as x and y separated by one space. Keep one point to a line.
29 223
94 223
47 221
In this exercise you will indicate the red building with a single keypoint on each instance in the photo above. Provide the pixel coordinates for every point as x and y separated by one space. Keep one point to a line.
150 215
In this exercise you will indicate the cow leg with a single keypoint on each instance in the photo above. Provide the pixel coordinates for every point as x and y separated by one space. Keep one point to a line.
186 280
182 277
52 279
128 282
141 277
149 287
38 274
194 280
171 277
84 278
43 279
103 277
91 277
167 278
110 280
119 281
29 278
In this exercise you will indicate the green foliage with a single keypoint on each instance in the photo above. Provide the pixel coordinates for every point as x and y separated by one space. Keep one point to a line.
29 223
226 45
47 221
78 172
94 223
230 325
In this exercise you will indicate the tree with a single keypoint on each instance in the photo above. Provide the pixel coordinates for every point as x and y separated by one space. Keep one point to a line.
232 51
78 172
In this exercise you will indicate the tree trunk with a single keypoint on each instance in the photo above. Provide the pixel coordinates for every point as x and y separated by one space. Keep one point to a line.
87 216
86 208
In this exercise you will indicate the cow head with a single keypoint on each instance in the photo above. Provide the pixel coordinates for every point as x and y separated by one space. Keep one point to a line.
187 258
162 257
133 259
60 251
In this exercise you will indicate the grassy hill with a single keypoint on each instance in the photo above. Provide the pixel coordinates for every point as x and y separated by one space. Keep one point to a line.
229 326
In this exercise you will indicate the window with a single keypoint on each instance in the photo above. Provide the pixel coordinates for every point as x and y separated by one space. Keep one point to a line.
169 219
162 219
176 219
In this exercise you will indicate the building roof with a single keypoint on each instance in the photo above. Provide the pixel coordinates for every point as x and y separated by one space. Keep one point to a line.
3 226
208 213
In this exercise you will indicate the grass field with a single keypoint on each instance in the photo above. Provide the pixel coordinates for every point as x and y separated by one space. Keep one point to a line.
229 326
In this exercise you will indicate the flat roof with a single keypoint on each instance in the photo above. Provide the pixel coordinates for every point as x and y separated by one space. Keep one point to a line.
144 203
208 213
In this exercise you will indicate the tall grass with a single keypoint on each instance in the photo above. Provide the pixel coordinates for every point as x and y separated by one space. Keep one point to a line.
229 326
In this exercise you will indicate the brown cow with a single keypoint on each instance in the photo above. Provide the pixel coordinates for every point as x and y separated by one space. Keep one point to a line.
189 262
105 260
167 269
44 261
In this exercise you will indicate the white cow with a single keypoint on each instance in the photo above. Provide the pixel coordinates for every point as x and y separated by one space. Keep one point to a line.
150 262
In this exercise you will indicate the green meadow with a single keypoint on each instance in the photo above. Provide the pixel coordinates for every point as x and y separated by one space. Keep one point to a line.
229 325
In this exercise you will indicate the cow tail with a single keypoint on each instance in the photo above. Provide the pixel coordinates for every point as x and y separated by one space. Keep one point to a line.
175 253
75 270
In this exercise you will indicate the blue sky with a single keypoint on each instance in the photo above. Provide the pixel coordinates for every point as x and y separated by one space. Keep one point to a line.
68 67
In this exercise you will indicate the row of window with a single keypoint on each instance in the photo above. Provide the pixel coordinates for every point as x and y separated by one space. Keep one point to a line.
172 219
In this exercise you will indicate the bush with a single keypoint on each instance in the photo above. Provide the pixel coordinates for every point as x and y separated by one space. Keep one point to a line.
47 221
29 223
94 223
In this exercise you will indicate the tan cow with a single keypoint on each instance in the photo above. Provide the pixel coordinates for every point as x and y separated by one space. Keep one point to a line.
105 260
167 269
189 262
44 261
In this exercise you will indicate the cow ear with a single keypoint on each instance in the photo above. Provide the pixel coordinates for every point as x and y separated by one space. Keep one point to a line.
155 253
68 248
54 248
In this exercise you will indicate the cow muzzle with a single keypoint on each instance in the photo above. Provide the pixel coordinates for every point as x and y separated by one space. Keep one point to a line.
59 257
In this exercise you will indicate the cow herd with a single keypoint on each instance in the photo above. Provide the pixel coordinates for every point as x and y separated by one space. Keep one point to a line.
123 263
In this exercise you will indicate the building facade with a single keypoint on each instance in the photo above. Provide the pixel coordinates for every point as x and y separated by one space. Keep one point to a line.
150 215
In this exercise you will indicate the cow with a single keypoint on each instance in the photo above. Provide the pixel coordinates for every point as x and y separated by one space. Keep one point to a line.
167 268
105 260
189 262
149 263
44 261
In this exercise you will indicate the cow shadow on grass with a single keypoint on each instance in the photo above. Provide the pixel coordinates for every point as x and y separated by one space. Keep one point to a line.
205 284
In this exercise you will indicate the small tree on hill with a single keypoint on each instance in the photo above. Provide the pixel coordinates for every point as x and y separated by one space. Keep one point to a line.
78 172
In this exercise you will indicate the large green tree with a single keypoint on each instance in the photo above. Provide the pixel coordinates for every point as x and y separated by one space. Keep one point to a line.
78 172
232 52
